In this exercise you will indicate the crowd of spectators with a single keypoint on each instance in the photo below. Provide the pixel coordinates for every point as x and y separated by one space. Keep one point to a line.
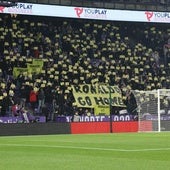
129 55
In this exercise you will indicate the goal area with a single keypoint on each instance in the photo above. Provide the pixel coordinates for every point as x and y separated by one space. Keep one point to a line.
153 109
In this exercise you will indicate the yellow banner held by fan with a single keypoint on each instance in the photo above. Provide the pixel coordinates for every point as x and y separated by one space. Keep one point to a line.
102 110
18 70
34 68
39 62
89 96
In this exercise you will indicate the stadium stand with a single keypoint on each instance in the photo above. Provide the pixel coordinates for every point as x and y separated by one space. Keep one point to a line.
130 55
154 5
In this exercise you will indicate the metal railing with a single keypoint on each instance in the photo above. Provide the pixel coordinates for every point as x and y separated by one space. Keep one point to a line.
151 5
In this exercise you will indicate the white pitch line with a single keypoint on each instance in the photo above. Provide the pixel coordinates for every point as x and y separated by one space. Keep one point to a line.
87 148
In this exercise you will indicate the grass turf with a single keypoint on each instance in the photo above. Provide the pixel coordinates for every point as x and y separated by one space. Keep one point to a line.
130 151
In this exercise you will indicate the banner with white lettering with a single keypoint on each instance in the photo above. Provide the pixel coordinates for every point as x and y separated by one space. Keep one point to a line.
87 13
98 118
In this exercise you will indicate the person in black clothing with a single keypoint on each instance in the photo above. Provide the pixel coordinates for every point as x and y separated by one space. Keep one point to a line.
41 99
131 103
27 91
23 95
10 102
4 106
45 112
60 101
49 100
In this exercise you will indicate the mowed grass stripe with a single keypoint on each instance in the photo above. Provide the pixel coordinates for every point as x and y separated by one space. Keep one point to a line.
86 152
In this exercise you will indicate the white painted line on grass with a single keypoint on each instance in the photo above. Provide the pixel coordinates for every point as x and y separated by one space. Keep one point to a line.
86 148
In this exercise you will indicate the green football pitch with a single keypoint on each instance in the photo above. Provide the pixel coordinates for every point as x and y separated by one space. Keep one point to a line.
130 151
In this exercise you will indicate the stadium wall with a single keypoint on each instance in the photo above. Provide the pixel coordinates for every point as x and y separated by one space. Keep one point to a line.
103 127
17 129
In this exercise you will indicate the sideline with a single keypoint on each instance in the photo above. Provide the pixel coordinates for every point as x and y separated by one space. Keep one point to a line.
86 148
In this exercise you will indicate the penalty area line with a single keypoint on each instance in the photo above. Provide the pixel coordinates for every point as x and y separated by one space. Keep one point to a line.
86 148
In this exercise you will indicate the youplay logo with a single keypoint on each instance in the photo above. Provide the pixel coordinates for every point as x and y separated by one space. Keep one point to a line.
2 9
79 11
149 15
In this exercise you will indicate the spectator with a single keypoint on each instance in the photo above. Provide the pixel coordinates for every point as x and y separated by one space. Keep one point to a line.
41 99
16 110
4 105
33 98
23 95
76 52
76 117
